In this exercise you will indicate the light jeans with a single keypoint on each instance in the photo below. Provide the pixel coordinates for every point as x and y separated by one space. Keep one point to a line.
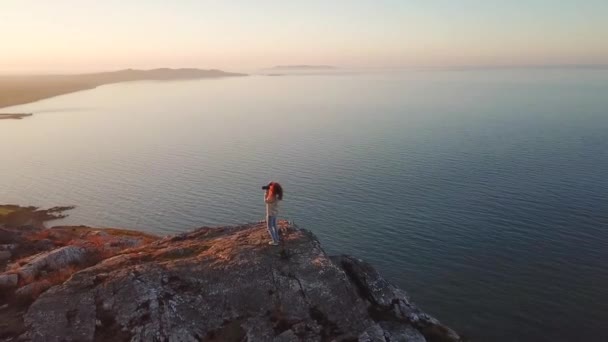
271 221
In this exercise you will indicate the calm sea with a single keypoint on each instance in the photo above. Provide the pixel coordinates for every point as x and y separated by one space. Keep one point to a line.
483 193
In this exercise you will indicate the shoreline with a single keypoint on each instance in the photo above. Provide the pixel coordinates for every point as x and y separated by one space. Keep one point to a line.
24 89
14 116
31 93
12 215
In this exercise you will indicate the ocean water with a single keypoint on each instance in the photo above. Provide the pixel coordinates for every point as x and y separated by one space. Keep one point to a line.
483 193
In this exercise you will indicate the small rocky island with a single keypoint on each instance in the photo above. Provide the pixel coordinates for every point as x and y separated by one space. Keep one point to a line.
79 283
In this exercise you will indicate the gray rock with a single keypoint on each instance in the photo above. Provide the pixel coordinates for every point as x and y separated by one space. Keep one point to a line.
287 336
9 237
223 284
44 245
374 333
399 332
8 280
54 260
30 291
8 247
5 256
390 303
391 332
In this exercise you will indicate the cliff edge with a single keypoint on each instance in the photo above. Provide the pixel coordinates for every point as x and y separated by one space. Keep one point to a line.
212 284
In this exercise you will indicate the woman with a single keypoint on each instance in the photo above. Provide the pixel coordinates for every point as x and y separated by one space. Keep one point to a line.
274 194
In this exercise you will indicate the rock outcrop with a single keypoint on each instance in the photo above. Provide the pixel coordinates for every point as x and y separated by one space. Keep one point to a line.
38 259
212 284
219 284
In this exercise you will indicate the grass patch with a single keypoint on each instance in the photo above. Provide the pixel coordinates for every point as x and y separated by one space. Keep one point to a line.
109 231
126 232
5 211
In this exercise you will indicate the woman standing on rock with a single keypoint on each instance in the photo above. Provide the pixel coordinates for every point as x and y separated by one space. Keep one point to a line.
274 194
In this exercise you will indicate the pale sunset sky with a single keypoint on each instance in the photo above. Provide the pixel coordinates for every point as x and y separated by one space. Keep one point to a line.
93 35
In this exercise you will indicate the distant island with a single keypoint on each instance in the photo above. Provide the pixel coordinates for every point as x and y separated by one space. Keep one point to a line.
16 90
303 67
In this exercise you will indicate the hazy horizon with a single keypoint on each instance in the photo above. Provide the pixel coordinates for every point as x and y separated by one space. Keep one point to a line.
71 36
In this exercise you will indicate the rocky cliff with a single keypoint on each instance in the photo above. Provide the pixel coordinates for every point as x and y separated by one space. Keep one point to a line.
212 284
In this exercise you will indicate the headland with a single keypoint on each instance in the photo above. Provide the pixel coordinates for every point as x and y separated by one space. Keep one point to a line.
21 89
78 283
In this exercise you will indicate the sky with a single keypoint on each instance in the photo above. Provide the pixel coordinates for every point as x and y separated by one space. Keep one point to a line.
241 35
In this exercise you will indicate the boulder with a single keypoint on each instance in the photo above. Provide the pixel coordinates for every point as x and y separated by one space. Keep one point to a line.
30 291
5 256
55 260
8 247
8 236
8 281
